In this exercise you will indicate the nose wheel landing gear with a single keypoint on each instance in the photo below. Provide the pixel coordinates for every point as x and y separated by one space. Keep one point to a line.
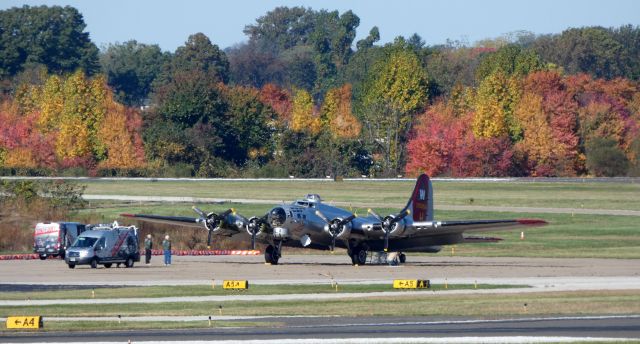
273 253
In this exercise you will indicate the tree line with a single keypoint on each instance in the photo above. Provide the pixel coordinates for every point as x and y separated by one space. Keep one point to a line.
301 97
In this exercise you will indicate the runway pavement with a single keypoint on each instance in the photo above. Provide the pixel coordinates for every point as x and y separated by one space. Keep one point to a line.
319 269
376 330
542 274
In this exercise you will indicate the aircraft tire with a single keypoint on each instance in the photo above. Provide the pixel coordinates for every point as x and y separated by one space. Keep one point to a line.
129 262
402 258
270 256
107 265
72 266
94 263
359 256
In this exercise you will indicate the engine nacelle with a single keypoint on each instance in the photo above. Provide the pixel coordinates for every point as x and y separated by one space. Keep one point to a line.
338 229
397 229
281 233
219 223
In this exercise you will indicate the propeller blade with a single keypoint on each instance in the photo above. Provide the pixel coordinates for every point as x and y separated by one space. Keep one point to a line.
321 215
402 215
348 219
199 212
209 239
386 241
370 211
253 240
333 242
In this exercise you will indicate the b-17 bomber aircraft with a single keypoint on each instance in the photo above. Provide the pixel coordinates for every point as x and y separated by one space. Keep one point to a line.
313 224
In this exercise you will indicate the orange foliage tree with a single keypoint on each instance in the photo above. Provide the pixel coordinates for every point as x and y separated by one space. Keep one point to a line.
68 122
336 113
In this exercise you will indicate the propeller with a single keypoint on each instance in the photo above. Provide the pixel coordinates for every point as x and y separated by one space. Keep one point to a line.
335 225
388 223
254 228
212 220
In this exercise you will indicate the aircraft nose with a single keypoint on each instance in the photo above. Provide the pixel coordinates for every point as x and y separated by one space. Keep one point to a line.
277 216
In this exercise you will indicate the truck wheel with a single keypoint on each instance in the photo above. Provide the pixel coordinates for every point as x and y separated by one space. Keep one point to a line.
43 257
107 265
72 266
129 262
94 263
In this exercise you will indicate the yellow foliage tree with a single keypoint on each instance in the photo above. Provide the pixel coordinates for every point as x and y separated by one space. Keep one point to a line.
495 103
82 109
303 116
538 140
51 104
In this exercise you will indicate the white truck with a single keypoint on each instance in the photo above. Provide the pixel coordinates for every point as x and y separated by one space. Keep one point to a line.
106 245
53 238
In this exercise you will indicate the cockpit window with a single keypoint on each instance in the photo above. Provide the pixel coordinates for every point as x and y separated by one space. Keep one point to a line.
313 198
278 216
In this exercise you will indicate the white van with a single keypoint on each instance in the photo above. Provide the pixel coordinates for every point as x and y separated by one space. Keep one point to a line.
53 238
105 245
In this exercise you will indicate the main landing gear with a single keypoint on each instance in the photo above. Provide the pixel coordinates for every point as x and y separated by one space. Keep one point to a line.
273 253
358 254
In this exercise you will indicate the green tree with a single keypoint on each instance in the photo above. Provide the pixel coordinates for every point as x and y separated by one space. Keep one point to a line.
251 126
50 36
190 97
198 55
131 68
510 60
605 158
592 50
395 91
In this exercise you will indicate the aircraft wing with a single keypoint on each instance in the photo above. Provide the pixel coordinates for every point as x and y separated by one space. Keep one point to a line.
458 227
171 220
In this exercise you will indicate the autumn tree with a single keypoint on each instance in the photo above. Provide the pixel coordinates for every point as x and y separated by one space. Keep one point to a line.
119 132
304 116
444 144
336 113
495 104
280 101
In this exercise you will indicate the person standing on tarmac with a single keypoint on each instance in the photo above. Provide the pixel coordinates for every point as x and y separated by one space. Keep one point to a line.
166 246
148 245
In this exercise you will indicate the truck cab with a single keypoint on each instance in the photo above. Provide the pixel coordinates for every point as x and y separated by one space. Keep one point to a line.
53 238
105 245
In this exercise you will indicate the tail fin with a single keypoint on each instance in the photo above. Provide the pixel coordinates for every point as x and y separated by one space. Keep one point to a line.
421 202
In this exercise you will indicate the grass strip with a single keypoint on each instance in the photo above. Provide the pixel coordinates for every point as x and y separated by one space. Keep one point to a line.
429 304
207 290
80 326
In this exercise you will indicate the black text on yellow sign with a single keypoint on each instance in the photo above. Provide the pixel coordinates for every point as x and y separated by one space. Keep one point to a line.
24 322
233 284
411 284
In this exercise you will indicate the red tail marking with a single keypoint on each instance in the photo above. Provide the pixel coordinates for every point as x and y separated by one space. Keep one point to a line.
420 199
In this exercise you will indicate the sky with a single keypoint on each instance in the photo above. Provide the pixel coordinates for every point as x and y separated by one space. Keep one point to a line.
169 23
